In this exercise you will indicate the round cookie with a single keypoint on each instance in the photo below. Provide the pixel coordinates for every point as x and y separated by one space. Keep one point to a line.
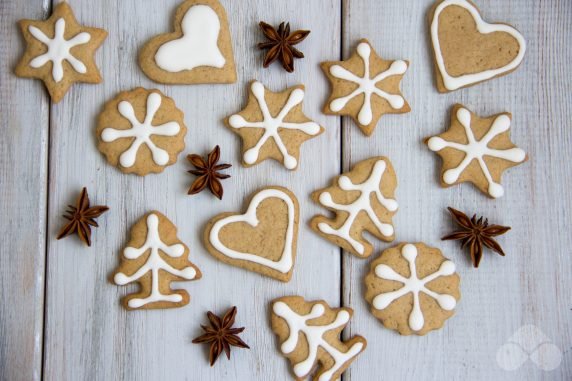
412 288
141 131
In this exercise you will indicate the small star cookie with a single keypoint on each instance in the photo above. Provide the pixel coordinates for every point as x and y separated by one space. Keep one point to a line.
273 125
60 51
366 87
477 150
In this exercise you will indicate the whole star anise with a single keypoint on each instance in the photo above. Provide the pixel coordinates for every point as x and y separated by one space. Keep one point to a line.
221 335
82 218
281 45
475 233
208 173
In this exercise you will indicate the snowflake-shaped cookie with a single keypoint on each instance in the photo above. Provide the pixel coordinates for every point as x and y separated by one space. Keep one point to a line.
477 150
60 51
363 200
412 288
365 87
141 131
272 125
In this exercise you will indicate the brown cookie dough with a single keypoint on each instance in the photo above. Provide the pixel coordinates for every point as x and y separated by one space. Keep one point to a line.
412 288
141 131
363 200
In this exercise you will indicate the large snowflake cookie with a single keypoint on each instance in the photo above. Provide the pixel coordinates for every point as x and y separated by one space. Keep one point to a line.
363 200
198 51
273 125
477 150
467 50
141 131
60 51
155 257
412 288
366 87
309 332
263 239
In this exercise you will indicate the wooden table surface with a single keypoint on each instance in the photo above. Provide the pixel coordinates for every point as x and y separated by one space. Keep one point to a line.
60 319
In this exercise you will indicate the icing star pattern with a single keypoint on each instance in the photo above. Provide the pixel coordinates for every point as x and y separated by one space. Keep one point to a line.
272 126
66 51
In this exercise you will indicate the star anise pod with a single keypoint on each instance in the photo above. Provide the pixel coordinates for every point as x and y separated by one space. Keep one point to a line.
475 233
281 45
208 173
221 335
82 218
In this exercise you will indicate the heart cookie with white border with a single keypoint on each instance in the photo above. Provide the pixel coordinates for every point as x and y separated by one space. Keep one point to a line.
263 239
467 50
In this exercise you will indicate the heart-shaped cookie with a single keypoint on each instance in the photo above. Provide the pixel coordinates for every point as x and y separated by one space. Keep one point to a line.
467 49
199 51
263 239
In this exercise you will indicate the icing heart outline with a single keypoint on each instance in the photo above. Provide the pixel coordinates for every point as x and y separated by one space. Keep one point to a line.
453 83
286 261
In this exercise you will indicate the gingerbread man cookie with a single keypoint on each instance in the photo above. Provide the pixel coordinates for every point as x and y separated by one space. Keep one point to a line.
365 87
60 51
412 288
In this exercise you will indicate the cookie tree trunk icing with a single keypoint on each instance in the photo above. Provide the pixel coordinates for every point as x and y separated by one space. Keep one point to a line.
159 260
314 334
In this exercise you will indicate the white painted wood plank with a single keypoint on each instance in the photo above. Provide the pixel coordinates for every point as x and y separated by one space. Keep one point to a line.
23 162
531 284
89 335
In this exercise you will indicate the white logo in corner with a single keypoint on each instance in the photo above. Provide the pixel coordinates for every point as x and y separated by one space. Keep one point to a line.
529 342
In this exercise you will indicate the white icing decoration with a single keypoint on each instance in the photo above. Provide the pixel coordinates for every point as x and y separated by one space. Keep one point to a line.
414 285
454 83
362 203
271 125
154 264
142 132
59 49
478 149
367 85
284 264
197 47
314 335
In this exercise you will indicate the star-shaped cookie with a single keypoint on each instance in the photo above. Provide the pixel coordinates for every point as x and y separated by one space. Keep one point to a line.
477 150
60 51
273 125
365 87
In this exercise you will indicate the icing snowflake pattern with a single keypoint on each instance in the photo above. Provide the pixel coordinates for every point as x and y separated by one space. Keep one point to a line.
314 335
362 203
414 285
478 149
271 125
59 49
367 85
154 264
142 132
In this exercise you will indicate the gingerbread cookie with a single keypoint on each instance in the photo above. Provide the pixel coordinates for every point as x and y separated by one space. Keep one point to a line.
412 288
467 50
141 131
363 200
477 150
155 257
198 51
309 332
60 51
273 125
261 240
365 87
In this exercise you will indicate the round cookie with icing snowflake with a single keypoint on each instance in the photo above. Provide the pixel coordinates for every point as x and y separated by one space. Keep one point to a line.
412 288
141 131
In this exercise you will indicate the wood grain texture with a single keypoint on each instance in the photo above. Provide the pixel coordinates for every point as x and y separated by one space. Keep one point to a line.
529 285
89 335
24 128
